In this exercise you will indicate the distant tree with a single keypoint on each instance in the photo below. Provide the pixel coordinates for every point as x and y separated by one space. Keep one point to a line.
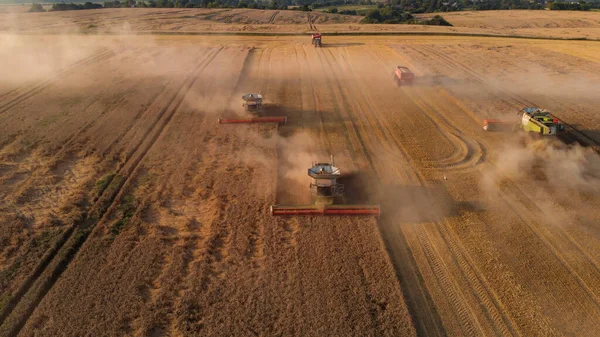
438 20
89 5
36 8
189 5
373 16
333 10
169 4
242 4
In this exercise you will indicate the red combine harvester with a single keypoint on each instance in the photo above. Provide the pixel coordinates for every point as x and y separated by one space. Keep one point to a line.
403 75
325 190
253 103
316 40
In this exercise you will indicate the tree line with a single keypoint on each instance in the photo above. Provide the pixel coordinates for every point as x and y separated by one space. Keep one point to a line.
384 9
64 7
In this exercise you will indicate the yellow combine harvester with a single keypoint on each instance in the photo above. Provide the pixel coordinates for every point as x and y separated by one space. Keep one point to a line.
533 119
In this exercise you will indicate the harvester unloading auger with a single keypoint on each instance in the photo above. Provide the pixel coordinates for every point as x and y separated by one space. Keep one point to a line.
253 103
325 190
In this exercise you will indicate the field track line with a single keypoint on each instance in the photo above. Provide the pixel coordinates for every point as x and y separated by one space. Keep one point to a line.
468 152
31 91
354 120
533 225
522 101
489 300
88 223
203 249
323 138
501 321
580 136
65 146
377 121
538 231
417 299
458 304
352 139
272 19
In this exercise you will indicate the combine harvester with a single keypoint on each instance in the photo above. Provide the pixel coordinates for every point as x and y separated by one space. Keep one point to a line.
533 119
316 40
325 190
403 75
253 103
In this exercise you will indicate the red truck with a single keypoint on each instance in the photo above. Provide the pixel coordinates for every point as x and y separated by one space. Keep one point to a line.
316 39
403 75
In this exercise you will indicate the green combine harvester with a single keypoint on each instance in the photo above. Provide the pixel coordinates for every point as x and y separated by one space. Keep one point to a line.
540 121
533 119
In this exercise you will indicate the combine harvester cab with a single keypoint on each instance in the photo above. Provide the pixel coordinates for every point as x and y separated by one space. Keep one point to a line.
317 40
325 190
253 103
540 121
403 75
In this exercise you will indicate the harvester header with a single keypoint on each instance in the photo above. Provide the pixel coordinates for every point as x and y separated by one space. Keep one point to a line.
325 190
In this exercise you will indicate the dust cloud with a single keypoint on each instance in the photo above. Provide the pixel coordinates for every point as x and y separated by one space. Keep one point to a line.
293 156
562 180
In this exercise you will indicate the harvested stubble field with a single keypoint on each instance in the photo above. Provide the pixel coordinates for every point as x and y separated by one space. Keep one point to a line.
126 210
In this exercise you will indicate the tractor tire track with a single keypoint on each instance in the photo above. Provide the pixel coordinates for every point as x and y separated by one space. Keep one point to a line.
546 237
468 152
498 317
458 304
579 136
69 144
501 322
521 101
272 18
95 215
351 135
417 298
324 139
